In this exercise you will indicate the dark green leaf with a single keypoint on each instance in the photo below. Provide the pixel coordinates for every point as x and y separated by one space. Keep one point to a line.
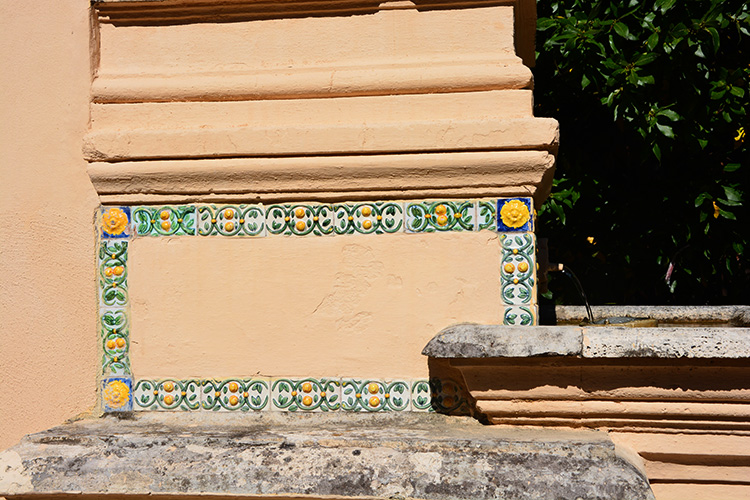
622 30
645 59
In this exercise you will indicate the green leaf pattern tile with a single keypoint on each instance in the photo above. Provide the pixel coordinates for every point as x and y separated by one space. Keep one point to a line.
517 268
369 218
168 394
113 273
231 220
427 217
115 339
520 315
164 221
306 395
300 220
486 218
236 394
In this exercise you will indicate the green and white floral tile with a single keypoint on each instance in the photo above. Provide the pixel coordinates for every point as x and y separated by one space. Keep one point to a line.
448 396
237 394
167 394
305 394
231 220
520 315
113 273
486 218
421 396
300 219
518 268
439 216
114 337
369 218
167 220
373 395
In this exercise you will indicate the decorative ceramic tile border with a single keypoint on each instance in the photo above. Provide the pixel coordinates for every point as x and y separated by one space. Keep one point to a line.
299 395
511 217
380 217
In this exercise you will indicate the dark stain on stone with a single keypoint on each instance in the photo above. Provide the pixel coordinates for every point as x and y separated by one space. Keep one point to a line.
59 440
356 453
286 446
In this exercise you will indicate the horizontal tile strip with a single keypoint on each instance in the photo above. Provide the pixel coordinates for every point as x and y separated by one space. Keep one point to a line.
300 395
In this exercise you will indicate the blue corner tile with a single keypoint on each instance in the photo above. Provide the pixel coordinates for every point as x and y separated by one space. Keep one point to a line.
117 394
515 214
115 222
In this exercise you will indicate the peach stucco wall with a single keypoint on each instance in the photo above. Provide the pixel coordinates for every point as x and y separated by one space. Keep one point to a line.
47 281
353 305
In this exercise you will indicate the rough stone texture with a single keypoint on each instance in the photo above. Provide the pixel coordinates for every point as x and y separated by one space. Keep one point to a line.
388 456
491 341
605 342
494 341
697 315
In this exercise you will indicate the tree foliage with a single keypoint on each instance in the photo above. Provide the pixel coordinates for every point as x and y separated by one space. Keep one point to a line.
650 201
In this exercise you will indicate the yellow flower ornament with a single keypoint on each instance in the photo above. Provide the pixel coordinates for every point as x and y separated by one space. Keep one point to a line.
114 221
116 394
515 213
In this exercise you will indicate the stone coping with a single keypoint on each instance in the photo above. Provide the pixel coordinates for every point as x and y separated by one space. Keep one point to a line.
678 315
318 455
494 341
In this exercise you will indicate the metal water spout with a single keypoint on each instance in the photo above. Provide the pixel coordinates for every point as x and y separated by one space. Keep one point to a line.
545 267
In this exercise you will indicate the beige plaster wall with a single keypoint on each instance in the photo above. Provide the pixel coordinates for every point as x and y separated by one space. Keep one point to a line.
355 305
47 282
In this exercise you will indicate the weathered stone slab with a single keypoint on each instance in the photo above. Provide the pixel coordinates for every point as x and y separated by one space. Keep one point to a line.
492 341
495 341
675 315
353 456
726 343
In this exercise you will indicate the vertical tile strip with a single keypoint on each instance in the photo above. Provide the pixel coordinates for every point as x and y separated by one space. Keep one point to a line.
114 311
518 288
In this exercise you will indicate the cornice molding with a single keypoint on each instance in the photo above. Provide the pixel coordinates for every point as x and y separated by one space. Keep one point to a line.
326 178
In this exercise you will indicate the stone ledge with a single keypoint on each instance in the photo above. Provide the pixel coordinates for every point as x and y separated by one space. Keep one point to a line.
315 455
494 341
672 315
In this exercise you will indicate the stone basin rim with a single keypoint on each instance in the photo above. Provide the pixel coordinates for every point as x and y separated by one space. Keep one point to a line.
470 340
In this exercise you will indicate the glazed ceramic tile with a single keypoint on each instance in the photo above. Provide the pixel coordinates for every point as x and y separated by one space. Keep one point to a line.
113 258
518 268
114 336
236 394
398 395
231 220
307 394
520 315
375 395
168 394
114 222
368 218
300 220
117 394
431 216
448 396
421 395
164 221
515 215
486 215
